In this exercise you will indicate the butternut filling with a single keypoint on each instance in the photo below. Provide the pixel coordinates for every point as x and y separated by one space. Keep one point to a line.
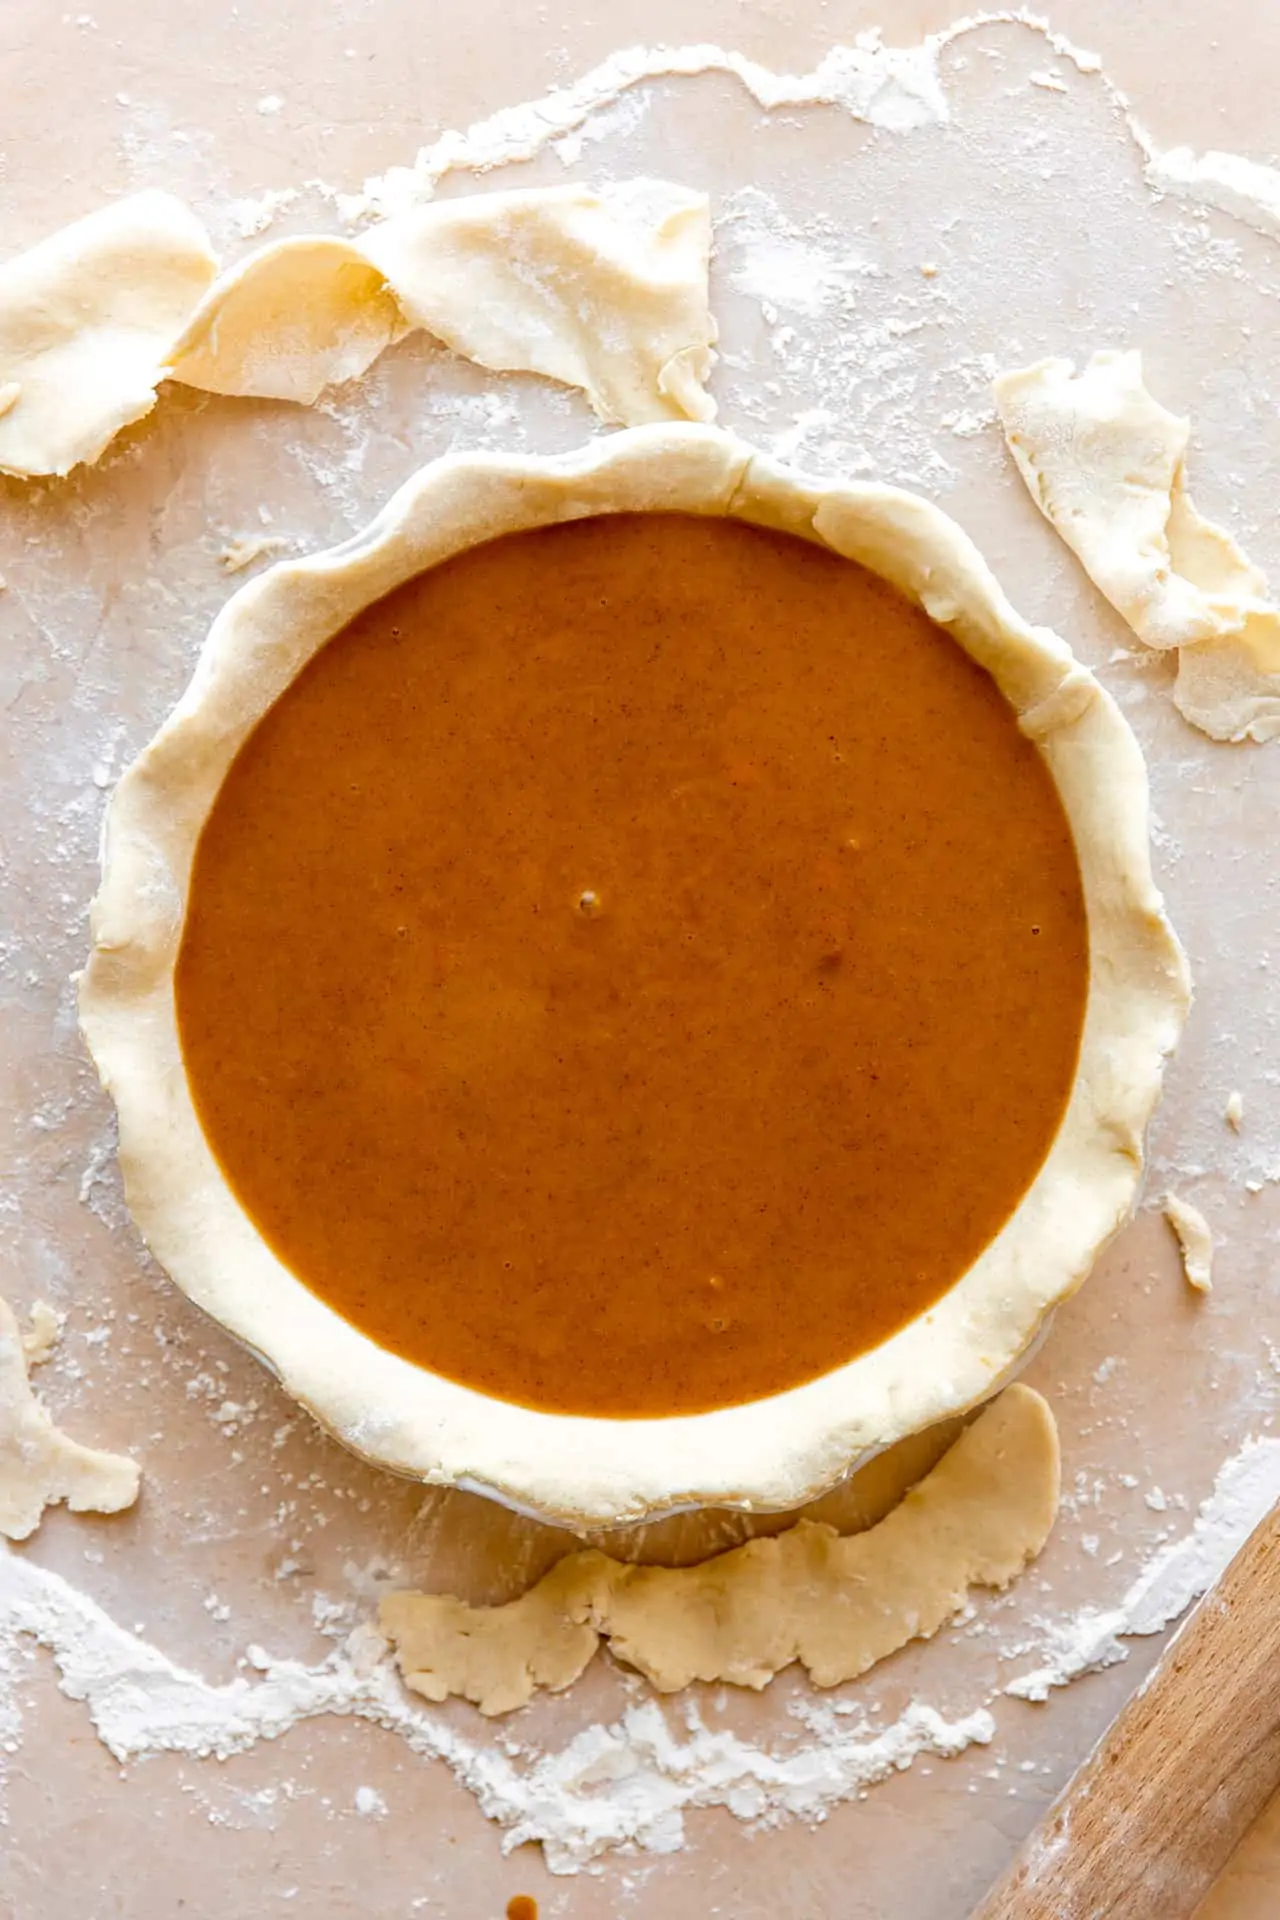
635 968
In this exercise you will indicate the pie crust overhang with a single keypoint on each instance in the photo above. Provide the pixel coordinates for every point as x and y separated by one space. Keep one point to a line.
770 1453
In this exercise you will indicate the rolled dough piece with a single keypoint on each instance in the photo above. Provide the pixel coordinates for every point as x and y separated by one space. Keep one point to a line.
87 319
249 548
39 1465
1195 1242
603 291
835 1605
288 322
44 1330
1105 463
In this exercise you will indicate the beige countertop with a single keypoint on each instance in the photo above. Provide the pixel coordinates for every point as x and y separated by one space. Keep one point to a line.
254 1530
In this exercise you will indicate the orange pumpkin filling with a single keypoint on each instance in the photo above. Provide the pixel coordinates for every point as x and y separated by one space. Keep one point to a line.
636 966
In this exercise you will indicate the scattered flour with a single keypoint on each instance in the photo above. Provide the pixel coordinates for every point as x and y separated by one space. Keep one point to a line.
1246 1489
1243 188
835 325
892 87
796 275
624 1785
100 1188
628 1784
254 215
781 265
897 89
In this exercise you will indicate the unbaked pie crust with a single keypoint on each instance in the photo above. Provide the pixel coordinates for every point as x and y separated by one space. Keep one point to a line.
771 1453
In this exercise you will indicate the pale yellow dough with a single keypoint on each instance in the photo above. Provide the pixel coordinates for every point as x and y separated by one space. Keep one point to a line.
39 1465
603 292
86 319
249 548
1105 463
835 1605
44 1329
606 291
780 1452
1195 1241
288 322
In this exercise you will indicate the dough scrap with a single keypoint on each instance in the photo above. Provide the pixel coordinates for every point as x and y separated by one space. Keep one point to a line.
44 1330
248 548
1233 1112
1195 1241
40 1465
837 1605
288 322
603 291
1105 463
87 319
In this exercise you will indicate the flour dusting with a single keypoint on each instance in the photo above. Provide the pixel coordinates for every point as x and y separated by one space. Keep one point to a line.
891 87
854 344
785 267
628 1784
897 89
1245 1491
1243 188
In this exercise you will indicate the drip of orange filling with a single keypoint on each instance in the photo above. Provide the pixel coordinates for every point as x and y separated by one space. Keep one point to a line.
635 968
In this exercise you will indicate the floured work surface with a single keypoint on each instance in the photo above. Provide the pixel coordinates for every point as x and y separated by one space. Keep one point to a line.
862 313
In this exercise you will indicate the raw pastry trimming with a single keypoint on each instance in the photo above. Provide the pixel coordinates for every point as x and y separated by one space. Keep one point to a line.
606 291
835 1605
1106 465
39 1464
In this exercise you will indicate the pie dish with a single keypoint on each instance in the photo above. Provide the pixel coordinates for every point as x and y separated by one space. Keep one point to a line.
219 818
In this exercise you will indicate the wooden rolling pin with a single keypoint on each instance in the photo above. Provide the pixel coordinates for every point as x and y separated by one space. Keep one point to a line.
1148 1823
